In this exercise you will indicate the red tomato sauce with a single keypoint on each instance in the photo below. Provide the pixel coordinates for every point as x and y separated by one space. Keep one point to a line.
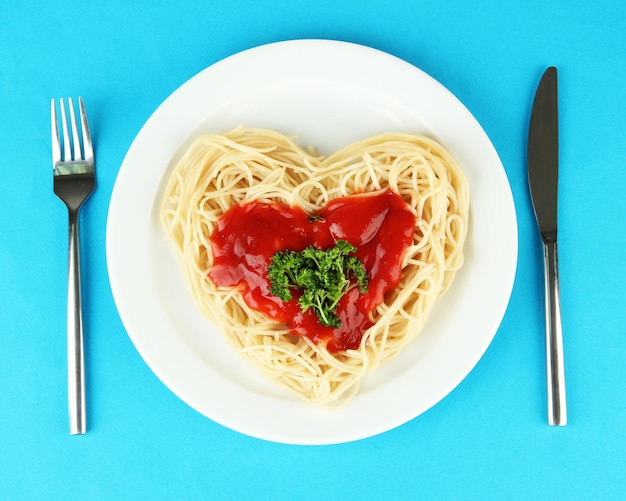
380 226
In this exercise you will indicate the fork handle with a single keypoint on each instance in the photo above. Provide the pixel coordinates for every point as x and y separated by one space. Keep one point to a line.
557 409
75 358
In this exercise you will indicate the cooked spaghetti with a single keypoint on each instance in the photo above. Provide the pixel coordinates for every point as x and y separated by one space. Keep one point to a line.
218 172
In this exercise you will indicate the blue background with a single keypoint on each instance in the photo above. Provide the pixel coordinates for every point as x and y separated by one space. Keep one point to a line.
489 438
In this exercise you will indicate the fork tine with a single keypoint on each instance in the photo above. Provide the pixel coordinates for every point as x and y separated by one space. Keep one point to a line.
84 125
75 140
56 143
67 154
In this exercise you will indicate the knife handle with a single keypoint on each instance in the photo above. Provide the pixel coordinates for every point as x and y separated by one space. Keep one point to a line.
557 409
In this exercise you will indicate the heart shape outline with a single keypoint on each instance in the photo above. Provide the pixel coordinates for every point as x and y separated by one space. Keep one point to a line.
215 173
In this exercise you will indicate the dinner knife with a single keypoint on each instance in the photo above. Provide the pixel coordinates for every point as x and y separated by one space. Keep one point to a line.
543 167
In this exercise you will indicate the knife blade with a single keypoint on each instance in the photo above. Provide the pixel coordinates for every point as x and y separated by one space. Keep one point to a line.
543 168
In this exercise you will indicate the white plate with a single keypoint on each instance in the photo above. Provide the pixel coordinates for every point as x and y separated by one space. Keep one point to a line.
330 94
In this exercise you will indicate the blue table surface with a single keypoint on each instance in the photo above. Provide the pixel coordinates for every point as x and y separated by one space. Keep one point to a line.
488 439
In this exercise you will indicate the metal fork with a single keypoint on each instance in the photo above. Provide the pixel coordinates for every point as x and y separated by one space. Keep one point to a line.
74 180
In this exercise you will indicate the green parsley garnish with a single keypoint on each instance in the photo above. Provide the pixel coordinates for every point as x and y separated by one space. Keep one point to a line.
322 276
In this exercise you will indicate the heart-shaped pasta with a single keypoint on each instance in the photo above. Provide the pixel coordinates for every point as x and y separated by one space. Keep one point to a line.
218 172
